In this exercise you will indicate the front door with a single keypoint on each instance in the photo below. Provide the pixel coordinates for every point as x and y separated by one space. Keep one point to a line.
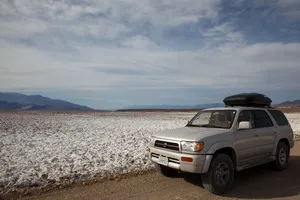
245 140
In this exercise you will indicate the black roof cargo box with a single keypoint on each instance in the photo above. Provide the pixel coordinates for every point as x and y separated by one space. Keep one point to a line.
248 99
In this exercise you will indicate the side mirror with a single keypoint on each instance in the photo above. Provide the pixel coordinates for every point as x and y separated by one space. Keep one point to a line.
244 125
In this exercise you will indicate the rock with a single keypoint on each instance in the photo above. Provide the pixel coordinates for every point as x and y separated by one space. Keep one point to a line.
58 183
19 190
44 176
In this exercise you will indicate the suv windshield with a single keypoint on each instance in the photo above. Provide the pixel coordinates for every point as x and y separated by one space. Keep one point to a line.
213 119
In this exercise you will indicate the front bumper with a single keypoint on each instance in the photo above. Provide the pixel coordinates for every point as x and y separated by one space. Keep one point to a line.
200 163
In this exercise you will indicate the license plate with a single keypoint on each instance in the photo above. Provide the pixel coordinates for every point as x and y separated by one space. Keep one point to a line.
163 160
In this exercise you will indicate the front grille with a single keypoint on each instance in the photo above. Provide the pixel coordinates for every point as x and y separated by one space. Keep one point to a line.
155 155
167 145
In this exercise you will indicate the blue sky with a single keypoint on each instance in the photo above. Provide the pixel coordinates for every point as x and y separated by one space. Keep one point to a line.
118 53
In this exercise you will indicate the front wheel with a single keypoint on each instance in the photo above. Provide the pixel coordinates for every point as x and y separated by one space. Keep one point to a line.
220 176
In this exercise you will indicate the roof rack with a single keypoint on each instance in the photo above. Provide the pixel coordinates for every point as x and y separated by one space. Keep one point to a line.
249 105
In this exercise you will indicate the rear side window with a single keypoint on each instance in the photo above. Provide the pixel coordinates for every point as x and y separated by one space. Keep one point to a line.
279 117
261 119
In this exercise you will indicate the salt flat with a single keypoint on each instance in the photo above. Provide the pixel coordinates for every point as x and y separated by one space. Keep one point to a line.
38 147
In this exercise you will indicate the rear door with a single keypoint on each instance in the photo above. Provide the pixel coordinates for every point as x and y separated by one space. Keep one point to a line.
254 145
264 132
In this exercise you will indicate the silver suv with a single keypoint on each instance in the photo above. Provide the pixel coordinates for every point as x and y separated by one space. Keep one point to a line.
218 142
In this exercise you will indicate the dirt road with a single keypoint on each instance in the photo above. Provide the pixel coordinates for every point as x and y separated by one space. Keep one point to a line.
257 183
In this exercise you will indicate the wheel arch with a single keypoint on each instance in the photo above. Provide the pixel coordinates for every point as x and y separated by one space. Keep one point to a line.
224 148
230 152
285 141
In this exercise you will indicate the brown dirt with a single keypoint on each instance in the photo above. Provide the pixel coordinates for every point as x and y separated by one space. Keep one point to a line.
161 110
287 109
257 183
290 109
19 192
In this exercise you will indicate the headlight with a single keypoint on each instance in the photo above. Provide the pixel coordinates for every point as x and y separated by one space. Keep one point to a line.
192 146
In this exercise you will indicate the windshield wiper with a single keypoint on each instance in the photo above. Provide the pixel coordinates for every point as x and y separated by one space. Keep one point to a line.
205 125
214 126
193 125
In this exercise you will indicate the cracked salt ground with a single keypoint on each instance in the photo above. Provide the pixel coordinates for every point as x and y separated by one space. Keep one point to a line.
294 121
41 147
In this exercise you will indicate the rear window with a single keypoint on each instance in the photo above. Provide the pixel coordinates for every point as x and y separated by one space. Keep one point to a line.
279 117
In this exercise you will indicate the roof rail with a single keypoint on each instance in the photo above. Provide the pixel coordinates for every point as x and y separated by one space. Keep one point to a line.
250 105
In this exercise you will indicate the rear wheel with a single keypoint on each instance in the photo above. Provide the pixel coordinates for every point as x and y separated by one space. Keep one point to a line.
166 171
220 176
282 157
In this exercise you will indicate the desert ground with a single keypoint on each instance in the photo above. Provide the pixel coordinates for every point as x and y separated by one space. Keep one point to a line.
261 182
52 150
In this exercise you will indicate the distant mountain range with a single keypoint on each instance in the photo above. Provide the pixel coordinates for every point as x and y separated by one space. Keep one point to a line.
17 101
215 105
290 103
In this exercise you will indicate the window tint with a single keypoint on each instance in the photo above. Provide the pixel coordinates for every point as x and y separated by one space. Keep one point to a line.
279 117
246 115
261 119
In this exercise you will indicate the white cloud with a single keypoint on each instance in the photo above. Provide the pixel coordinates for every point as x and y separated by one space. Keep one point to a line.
102 19
163 13
15 29
99 45
140 42
289 8
237 67
287 3
104 29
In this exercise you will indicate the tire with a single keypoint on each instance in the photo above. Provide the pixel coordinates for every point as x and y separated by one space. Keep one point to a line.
166 171
282 157
215 183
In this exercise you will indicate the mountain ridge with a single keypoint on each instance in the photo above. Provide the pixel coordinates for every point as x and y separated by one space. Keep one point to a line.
212 105
173 106
290 103
18 101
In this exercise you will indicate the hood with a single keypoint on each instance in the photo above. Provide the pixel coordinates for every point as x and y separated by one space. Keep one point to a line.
189 133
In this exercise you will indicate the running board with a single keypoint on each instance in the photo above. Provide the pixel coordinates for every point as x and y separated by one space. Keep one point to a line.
264 161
